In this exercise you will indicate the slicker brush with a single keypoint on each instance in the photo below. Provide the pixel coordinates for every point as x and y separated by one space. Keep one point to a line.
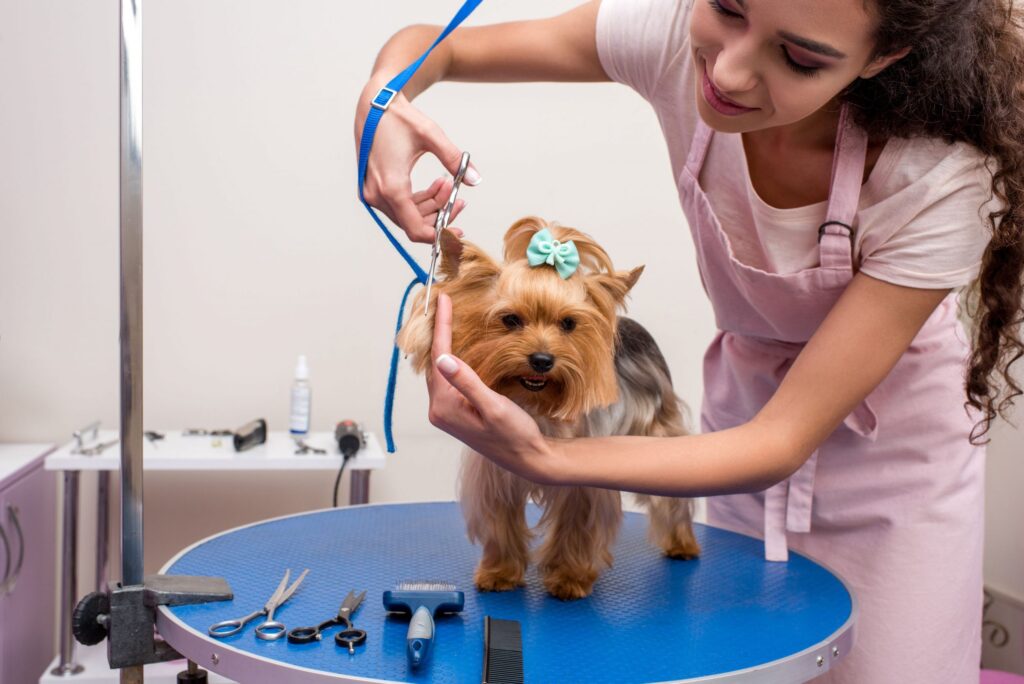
423 600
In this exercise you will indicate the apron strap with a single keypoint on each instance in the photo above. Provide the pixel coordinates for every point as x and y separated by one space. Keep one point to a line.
787 505
787 508
835 235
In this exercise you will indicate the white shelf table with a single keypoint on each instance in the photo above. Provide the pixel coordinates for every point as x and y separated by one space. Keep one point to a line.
177 451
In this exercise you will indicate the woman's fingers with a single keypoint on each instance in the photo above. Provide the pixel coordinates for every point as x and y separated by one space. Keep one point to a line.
454 371
438 144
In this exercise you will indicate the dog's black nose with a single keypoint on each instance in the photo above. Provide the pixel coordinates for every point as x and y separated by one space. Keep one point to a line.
541 362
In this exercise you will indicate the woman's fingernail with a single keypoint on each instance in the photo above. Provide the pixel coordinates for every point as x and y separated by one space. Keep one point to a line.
446 363
472 177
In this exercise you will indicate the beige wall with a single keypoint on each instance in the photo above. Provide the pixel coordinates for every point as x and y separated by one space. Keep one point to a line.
256 248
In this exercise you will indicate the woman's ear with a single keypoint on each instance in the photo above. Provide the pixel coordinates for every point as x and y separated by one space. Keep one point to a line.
880 63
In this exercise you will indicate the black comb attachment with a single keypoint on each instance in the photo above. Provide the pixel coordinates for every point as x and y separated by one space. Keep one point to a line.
503 652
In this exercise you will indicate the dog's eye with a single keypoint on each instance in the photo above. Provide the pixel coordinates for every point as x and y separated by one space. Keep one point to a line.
568 324
511 321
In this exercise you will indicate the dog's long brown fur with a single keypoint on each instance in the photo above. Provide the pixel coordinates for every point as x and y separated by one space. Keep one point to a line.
608 378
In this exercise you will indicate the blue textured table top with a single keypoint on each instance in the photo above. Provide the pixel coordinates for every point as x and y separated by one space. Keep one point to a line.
649 619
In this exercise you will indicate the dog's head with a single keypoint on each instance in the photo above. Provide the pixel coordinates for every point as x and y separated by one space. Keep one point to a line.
544 340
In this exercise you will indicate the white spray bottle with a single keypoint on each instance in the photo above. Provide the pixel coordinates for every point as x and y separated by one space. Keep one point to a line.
298 421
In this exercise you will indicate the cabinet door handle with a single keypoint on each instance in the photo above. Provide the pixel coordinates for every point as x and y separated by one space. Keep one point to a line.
7 562
12 512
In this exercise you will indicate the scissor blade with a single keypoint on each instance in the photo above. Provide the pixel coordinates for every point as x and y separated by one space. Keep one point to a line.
276 596
352 601
291 590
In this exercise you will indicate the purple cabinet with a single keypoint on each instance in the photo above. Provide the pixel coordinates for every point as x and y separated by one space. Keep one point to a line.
27 568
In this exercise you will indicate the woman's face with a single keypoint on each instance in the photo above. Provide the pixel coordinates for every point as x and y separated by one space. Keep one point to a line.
767 63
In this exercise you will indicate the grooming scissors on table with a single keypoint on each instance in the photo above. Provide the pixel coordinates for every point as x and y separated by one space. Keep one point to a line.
349 637
443 216
268 630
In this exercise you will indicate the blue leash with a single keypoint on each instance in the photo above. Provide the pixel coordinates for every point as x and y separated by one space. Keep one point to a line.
378 106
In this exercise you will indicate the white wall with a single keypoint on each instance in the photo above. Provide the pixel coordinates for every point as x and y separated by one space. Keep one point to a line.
256 248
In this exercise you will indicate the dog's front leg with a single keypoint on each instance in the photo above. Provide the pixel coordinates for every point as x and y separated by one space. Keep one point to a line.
580 525
494 505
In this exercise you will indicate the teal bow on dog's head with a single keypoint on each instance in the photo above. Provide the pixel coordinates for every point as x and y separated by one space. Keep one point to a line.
545 249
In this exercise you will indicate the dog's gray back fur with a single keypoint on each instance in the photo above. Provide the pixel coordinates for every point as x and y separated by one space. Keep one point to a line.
647 403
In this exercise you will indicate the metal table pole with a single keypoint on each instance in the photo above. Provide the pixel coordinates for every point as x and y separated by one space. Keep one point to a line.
68 577
131 302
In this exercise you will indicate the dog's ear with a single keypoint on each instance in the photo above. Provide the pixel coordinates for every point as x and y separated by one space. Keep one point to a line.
463 260
519 234
609 290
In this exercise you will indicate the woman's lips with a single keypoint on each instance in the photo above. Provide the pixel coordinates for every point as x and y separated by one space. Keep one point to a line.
719 102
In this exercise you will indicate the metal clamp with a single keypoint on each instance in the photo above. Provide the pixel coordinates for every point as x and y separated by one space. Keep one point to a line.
125 616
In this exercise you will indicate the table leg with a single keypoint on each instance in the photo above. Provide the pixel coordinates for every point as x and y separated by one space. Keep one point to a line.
68 577
102 528
132 675
359 487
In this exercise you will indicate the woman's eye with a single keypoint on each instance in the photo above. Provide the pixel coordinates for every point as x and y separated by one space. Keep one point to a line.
511 321
799 68
568 324
718 7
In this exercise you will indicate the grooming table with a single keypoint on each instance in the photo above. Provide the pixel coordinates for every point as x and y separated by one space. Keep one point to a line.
729 616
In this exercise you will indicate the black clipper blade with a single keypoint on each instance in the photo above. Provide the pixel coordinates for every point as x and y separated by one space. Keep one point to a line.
503 652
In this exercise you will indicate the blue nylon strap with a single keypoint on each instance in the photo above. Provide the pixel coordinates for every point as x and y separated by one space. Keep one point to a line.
380 104
389 398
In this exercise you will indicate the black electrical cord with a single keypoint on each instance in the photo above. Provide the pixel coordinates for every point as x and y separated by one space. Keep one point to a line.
337 481
350 440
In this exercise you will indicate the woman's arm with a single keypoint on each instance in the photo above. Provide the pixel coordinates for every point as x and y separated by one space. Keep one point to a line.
857 345
562 48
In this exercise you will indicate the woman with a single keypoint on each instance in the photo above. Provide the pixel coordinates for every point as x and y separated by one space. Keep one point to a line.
846 167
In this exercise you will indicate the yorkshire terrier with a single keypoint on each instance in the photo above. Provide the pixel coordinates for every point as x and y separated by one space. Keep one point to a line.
543 329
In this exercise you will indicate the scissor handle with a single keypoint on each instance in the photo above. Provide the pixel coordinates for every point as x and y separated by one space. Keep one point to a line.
303 635
350 638
271 630
226 628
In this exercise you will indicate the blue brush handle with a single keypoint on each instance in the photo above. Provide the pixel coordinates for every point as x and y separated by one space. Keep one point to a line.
419 637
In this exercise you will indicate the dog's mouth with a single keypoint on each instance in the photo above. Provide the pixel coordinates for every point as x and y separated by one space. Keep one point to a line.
534 383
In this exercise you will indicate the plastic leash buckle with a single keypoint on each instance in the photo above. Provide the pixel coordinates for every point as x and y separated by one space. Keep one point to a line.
388 95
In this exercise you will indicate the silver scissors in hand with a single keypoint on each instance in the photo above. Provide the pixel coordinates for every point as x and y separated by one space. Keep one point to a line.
443 216
268 630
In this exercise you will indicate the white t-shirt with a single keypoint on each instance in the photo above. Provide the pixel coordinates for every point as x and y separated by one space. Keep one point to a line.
922 219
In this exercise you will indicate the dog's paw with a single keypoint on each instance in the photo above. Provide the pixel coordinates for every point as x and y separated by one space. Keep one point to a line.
497 579
570 587
682 550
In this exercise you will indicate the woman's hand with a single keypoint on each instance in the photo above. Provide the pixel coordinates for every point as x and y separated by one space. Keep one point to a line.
487 422
403 135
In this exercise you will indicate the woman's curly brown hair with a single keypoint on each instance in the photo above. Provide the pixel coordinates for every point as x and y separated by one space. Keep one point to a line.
963 80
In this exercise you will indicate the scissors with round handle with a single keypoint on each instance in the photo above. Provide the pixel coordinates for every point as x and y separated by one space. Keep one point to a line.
349 637
443 216
269 629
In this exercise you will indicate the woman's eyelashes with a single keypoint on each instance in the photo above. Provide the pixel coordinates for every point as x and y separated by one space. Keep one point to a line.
797 67
802 69
721 9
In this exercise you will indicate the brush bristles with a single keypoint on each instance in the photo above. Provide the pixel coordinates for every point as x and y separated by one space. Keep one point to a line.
426 585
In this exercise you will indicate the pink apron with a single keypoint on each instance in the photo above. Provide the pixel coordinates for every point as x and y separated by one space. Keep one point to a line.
893 500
